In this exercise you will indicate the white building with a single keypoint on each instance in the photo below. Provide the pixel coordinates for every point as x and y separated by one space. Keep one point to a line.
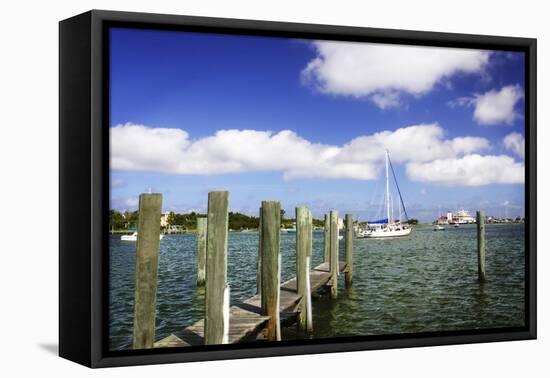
164 219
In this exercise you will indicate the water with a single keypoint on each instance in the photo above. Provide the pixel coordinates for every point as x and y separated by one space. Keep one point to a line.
425 282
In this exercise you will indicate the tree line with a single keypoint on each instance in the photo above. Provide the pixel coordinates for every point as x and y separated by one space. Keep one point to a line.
237 221
124 220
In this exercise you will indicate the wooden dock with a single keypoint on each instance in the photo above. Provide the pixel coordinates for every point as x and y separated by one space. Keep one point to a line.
275 304
246 320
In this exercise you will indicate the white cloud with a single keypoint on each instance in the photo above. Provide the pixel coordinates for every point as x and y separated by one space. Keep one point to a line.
461 101
494 107
470 170
386 100
132 202
142 148
515 142
422 142
382 72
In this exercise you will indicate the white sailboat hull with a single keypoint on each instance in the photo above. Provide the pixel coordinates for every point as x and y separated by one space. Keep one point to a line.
128 238
133 237
386 233
392 230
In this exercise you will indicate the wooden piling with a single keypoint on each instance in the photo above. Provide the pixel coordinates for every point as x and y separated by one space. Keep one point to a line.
349 249
480 220
259 257
326 244
201 250
334 269
215 323
303 254
271 269
147 256
309 306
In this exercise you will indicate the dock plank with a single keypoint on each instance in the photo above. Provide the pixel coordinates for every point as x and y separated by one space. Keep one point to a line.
246 319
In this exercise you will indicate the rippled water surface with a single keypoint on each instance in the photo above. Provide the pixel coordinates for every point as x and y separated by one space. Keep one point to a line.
424 282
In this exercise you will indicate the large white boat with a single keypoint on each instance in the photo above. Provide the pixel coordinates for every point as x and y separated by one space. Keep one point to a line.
133 237
463 217
460 217
387 228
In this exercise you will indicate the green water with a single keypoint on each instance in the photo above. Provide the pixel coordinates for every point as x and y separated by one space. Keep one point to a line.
421 283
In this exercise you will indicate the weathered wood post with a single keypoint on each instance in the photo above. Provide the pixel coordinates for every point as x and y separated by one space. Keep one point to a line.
271 266
334 260
201 250
147 257
326 244
259 257
303 254
349 249
217 292
309 306
481 246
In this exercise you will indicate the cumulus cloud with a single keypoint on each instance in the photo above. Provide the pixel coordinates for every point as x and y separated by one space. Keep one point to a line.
494 107
470 170
382 72
132 202
138 147
422 142
515 142
142 148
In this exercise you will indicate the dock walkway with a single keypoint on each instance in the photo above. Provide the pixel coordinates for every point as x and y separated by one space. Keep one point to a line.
246 319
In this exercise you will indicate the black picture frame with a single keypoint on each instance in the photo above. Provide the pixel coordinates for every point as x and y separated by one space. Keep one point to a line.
84 186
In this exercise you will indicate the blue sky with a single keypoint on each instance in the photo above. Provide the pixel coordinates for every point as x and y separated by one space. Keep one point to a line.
319 116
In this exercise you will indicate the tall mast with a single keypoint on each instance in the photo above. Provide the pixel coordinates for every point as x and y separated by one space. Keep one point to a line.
399 207
391 206
387 186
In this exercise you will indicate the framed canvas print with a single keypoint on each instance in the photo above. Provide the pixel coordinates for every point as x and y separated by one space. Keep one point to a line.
233 188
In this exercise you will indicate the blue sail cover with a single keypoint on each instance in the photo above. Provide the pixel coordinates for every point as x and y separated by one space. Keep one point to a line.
379 221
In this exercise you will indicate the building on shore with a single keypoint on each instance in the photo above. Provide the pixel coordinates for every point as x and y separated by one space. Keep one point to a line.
164 219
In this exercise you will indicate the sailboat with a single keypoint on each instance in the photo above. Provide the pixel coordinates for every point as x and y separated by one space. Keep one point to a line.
387 228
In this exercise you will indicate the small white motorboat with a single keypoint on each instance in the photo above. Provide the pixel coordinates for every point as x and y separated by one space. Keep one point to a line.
438 227
133 237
